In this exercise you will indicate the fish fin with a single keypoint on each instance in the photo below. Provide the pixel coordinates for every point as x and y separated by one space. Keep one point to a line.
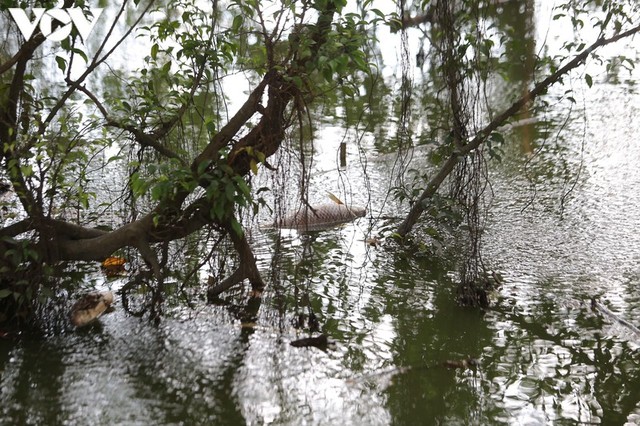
334 198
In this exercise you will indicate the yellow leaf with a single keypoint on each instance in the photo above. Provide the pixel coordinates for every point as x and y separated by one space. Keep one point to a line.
113 261
254 166
113 266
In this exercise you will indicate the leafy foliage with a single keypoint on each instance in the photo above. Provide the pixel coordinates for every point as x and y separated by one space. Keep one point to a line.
179 158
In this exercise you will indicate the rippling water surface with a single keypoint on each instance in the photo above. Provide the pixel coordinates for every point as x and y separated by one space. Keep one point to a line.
562 228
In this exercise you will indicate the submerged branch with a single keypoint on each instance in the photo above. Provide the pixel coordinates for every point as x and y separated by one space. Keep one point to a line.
246 270
597 306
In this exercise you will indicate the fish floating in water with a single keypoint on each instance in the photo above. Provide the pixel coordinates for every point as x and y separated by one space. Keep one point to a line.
89 307
319 217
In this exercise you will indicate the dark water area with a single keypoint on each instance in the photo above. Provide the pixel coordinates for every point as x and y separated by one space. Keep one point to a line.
562 228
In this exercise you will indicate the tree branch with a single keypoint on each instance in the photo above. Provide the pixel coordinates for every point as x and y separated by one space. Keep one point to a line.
229 130
26 49
539 89
94 64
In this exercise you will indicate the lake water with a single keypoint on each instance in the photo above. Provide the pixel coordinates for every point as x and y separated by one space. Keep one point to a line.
562 227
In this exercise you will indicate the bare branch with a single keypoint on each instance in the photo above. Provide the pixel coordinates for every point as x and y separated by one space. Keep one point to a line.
539 89
94 64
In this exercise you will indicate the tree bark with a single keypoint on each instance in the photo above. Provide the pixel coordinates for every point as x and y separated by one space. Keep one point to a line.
63 241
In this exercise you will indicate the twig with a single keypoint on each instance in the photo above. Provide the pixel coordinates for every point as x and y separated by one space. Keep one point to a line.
143 138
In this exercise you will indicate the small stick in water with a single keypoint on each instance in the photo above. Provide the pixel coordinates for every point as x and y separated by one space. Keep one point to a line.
343 154
320 342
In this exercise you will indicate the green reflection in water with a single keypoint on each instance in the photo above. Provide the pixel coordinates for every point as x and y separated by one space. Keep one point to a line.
544 355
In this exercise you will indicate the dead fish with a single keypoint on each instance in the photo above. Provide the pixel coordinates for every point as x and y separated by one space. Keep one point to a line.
319 217
89 307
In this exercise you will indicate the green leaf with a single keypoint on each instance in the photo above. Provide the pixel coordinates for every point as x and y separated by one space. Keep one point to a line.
202 166
588 79
497 137
327 74
218 209
26 170
62 63
360 62
230 191
5 292
242 185
238 20
81 53
378 12
237 228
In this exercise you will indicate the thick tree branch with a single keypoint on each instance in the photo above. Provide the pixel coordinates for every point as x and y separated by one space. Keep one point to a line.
101 246
246 270
229 130
9 127
25 51
17 228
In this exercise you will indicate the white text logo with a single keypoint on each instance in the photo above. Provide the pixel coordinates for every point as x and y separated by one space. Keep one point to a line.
45 17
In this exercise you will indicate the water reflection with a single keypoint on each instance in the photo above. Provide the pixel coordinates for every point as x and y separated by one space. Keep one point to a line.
562 228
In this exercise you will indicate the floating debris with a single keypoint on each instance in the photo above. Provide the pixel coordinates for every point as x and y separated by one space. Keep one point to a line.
320 342
89 307
114 265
